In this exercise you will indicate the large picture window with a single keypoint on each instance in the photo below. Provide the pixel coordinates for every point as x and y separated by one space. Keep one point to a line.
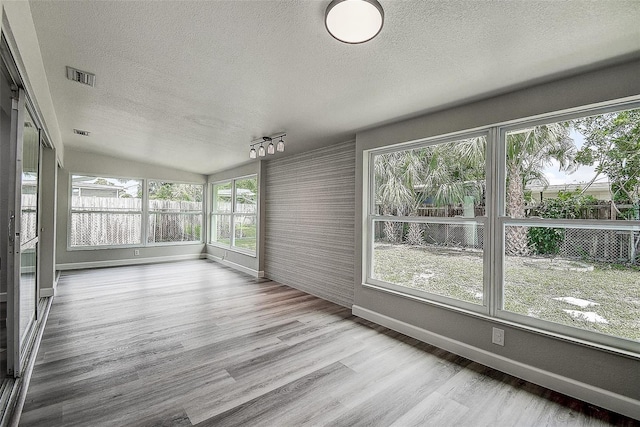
535 223
105 211
571 224
428 218
109 212
234 214
175 212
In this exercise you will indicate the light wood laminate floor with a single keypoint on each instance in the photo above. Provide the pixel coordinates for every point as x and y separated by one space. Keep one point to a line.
196 343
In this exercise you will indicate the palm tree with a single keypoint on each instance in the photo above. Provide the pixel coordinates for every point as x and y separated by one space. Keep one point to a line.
397 175
445 172
455 170
529 151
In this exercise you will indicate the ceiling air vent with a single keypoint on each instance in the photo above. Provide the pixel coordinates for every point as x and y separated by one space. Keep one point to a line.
81 132
81 77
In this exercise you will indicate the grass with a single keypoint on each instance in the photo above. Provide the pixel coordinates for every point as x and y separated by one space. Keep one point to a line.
529 288
243 242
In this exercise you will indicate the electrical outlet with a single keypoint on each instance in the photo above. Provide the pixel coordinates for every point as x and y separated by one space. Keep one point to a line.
498 336
136 252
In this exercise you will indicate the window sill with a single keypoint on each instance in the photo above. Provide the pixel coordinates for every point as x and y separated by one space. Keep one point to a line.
251 254
134 246
510 323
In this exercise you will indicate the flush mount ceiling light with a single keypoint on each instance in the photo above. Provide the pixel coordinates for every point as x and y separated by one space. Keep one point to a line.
354 21
271 147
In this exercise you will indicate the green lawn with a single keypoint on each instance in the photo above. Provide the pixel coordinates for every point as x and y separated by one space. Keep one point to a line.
529 286
244 242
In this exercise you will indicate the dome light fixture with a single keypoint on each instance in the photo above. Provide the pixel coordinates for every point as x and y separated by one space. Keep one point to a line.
354 21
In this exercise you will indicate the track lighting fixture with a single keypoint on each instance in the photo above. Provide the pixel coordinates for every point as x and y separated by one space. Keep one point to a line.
271 147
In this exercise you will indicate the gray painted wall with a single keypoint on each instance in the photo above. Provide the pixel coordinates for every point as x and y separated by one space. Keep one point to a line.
248 261
309 222
18 27
613 372
77 162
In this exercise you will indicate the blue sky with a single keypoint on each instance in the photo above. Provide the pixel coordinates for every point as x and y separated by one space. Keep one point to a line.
583 174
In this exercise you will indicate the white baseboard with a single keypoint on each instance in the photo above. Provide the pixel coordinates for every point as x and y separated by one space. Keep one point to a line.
242 268
129 261
579 390
47 292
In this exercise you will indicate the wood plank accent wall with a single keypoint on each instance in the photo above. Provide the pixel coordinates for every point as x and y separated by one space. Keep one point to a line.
310 222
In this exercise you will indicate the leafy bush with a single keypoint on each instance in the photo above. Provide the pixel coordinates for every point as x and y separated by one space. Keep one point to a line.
545 241
569 205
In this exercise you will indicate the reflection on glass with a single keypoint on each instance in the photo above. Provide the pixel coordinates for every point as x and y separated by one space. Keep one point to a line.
447 261
28 225
28 269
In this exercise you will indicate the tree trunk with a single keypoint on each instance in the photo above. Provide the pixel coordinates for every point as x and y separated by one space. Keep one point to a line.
392 229
415 235
516 241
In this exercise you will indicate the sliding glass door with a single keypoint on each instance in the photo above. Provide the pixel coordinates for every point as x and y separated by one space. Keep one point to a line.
5 137
20 161
28 226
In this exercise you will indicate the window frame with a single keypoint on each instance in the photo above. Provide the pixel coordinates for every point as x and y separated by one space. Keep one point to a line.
495 222
144 212
149 212
232 214
371 217
502 221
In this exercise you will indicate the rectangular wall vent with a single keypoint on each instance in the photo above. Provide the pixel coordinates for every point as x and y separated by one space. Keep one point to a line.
81 77
81 132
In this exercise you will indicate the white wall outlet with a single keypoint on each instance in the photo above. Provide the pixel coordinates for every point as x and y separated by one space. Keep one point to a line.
498 336
136 252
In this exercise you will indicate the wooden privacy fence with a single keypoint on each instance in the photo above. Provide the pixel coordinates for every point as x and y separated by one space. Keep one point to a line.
602 210
100 221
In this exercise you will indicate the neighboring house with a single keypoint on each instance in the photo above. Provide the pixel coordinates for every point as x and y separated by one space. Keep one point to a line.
599 190
91 189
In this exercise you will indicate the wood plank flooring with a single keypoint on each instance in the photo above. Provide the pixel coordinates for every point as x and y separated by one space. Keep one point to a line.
196 343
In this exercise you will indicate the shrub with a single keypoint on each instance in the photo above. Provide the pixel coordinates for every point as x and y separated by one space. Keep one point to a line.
568 204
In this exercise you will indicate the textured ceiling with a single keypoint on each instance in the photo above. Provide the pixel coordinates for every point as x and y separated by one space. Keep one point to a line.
189 84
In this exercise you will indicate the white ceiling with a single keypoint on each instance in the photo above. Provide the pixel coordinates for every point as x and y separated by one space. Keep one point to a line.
189 84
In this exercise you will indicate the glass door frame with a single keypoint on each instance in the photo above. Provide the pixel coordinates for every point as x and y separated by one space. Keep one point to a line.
17 342
14 367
